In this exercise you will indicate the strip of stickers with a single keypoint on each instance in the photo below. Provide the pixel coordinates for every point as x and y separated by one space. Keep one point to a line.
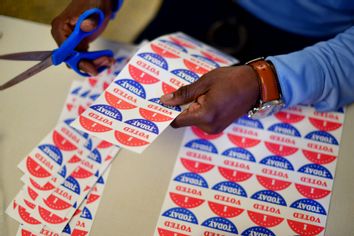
64 175
129 112
258 177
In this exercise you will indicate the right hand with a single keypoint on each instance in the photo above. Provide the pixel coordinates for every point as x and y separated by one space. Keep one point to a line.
64 24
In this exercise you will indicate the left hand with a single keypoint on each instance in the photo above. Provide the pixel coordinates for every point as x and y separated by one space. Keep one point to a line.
217 99
64 24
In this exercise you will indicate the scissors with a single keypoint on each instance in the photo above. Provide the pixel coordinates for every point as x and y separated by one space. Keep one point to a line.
65 53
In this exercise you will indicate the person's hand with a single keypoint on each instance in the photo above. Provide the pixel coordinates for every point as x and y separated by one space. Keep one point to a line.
218 98
64 24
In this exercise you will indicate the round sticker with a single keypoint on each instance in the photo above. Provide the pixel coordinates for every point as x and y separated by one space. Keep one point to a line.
264 220
234 175
55 203
129 140
93 126
185 201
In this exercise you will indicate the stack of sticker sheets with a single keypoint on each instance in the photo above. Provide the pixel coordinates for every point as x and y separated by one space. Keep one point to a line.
65 174
258 177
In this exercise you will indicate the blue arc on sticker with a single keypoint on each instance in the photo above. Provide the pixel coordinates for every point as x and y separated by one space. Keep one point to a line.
155 59
181 214
132 86
277 162
220 223
52 152
86 214
309 205
257 230
186 75
62 172
157 101
192 179
270 197
96 156
173 45
202 145
248 122
207 60
231 188
144 125
239 153
284 128
108 111
76 91
72 184
322 136
316 170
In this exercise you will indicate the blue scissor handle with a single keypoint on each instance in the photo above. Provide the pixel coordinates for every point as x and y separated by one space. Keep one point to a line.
66 50
74 60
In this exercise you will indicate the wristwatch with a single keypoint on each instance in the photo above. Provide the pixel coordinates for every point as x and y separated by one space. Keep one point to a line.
270 93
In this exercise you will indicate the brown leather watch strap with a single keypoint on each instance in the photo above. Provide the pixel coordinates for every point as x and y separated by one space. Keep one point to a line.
268 79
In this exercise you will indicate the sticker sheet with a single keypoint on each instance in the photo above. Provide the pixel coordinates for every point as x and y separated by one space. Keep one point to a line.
258 177
129 112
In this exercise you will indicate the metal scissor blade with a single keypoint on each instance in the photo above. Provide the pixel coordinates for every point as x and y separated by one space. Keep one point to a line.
27 56
28 73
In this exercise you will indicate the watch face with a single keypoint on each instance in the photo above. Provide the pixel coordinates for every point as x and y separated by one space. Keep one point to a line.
266 109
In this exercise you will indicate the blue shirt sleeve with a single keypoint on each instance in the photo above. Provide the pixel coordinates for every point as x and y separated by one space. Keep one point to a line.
321 75
117 4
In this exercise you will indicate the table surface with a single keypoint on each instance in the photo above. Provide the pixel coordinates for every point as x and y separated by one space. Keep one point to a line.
137 183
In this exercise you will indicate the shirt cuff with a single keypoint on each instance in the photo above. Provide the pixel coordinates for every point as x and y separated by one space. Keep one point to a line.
298 77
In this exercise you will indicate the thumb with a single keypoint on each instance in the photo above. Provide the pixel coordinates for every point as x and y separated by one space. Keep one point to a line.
185 94
87 25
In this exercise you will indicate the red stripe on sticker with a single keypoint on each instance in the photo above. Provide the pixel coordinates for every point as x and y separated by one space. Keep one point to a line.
118 102
153 115
194 67
264 219
324 124
234 175
196 166
280 149
26 217
49 217
93 126
304 228
186 201
242 141
62 143
141 76
318 158
224 210
201 134
312 192
163 52
35 169
273 184
129 140
165 232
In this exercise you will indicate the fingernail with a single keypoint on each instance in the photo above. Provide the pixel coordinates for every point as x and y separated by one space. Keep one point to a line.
167 97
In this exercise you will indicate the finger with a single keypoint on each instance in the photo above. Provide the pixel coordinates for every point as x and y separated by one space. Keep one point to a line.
103 61
88 67
196 114
186 94
88 25
60 31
